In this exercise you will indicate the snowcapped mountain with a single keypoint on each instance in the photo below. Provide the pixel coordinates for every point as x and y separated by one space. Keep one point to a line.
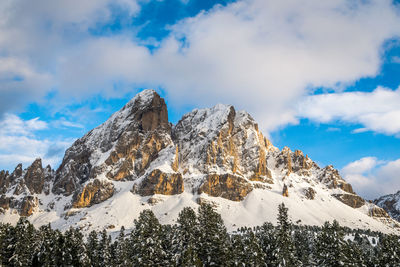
391 204
137 160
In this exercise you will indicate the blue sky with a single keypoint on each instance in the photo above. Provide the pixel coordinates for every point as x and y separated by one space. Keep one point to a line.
319 77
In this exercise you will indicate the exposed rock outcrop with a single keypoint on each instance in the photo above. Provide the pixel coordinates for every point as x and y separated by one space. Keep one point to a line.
351 200
132 137
222 140
4 202
285 191
332 179
378 212
309 193
227 186
28 205
93 193
25 206
35 177
158 182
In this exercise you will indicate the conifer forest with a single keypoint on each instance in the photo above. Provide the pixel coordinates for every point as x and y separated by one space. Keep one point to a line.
198 239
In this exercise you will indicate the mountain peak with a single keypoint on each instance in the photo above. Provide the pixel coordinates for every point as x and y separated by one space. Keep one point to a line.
137 159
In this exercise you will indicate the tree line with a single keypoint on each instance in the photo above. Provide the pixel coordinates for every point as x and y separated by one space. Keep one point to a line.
198 239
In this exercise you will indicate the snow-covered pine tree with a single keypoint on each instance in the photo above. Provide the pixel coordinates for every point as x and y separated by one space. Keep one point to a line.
388 251
58 250
329 246
23 251
47 246
92 249
184 242
74 249
247 250
145 241
267 238
105 258
168 233
213 245
303 243
7 244
120 250
353 254
284 252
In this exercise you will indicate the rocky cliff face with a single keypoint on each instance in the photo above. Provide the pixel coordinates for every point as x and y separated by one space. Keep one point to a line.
216 155
119 149
391 204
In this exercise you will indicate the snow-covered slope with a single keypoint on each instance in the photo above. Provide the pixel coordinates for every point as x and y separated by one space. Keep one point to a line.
138 160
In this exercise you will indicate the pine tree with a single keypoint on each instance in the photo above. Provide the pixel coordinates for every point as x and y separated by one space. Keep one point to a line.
145 241
303 242
76 248
23 251
267 238
105 249
213 244
353 254
389 250
120 249
48 243
184 242
7 244
247 249
168 234
92 248
284 252
329 246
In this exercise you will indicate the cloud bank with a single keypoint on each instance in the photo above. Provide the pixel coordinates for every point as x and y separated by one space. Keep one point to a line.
372 178
377 111
260 55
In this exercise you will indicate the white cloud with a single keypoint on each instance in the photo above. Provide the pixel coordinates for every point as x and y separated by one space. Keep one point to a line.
372 178
260 55
360 166
36 35
377 111
14 125
19 143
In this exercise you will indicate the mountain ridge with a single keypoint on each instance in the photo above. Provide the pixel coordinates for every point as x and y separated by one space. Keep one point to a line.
137 159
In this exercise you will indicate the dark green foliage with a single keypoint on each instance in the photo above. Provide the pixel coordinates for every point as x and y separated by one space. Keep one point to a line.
247 249
120 250
266 234
74 250
199 240
186 238
92 248
284 251
389 251
24 244
213 243
105 254
145 242
303 240
330 246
